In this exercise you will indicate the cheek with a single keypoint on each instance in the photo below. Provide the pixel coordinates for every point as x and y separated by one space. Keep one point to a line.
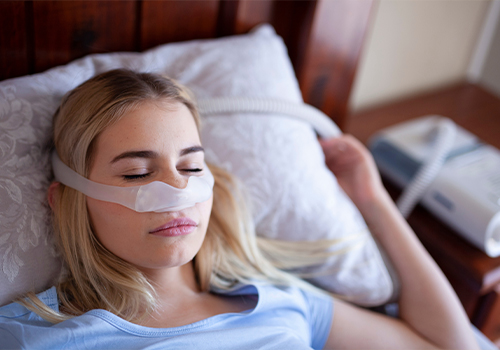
111 222
205 210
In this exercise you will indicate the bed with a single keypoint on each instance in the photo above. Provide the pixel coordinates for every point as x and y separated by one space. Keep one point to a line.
307 50
324 38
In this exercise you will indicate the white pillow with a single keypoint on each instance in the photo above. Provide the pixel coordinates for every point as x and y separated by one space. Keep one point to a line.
294 196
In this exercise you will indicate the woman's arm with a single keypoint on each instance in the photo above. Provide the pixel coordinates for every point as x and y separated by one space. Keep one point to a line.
430 313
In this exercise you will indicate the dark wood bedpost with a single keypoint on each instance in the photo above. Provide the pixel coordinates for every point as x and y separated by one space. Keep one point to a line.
330 60
324 40
324 37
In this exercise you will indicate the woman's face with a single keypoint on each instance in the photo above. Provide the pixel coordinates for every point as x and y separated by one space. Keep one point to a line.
156 141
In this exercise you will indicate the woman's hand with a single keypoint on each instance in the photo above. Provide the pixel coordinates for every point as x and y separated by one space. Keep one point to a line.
430 312
356 172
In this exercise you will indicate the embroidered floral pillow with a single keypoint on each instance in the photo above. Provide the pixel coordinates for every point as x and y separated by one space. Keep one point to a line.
294 196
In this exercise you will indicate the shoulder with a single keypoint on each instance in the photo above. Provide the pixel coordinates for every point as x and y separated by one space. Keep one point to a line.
299 298
18 311
16 321
308 313
279 296
313 309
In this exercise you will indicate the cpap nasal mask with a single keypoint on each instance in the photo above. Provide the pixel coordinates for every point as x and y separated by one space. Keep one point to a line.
155 196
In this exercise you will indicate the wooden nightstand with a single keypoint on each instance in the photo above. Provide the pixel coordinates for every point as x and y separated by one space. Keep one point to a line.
474 275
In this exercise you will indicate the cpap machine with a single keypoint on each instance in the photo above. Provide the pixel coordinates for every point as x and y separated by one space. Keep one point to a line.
448 169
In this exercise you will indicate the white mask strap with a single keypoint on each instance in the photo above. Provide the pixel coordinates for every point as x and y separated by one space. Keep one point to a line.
155 196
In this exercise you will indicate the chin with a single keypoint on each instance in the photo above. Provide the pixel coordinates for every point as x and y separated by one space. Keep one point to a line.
171 257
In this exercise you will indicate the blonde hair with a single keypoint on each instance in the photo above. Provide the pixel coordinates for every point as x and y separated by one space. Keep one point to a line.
97 279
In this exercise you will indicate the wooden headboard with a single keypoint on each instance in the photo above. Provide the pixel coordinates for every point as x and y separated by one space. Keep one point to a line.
324 37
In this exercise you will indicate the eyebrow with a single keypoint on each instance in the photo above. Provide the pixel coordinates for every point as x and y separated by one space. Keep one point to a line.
153 154
191 150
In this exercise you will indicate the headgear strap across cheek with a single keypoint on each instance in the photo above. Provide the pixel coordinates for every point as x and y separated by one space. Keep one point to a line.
155 196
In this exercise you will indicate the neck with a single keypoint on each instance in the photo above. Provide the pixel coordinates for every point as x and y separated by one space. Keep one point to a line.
181 302
172 282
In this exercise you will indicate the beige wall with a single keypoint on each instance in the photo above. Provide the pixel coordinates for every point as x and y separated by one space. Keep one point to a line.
490 77
416 45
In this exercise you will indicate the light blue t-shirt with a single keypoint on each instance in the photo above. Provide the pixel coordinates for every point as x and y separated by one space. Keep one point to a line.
284 318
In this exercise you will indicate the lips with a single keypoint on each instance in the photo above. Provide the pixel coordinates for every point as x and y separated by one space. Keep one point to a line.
175 227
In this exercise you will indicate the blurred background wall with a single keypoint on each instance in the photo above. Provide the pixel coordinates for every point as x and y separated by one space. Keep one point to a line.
485 66
419 45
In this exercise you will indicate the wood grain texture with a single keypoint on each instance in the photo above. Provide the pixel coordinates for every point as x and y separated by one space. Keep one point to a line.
172 21
324 40
251 13
293 21
332 54
66 30
487 315
323 37
13 39
240 16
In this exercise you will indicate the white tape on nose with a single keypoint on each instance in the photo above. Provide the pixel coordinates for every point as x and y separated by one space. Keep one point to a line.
155 196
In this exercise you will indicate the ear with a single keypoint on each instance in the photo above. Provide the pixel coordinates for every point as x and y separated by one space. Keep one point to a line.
51 192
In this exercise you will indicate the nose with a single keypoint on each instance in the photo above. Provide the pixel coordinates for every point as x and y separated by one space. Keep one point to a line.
176 180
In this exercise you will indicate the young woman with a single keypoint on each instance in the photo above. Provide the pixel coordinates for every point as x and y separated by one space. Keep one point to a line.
185 271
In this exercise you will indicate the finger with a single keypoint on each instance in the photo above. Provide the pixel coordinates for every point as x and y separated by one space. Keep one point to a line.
334 147
355 145
334 142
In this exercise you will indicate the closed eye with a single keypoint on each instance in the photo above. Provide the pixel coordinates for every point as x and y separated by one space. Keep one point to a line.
143 176
136 176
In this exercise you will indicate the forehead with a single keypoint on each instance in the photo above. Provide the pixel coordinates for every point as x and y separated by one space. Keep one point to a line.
150 125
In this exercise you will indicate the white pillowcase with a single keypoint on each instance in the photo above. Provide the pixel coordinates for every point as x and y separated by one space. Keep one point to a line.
294 196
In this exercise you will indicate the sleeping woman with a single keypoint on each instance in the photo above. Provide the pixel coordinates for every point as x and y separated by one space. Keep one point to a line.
160 251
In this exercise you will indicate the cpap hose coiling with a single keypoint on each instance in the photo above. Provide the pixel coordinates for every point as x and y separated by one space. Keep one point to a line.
413 192
323 125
